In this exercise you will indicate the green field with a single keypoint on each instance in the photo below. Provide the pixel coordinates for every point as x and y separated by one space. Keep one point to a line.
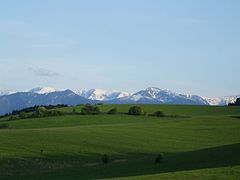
201 142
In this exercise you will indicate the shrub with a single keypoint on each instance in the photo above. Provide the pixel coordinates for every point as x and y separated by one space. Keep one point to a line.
135 110
89 109
12 118
158 114
53 113
159 158
22 115
113 111
105 158
4 126
41 112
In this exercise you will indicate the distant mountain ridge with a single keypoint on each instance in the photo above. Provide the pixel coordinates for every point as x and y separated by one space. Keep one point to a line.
10 101
101 94
44 90
221 101
154 95
21 100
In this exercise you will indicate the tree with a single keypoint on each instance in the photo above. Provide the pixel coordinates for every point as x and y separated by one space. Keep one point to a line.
40 112
89 109
53 113
159 158
23 115
135 110
158 114
13 117
113 111
105 158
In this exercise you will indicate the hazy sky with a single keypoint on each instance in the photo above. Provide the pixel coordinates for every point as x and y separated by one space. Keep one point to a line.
188 46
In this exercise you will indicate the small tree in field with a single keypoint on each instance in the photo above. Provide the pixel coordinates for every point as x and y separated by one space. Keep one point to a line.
22 115
135 110
113 111
12 118
41 111
105 158
89 109
158 114
159 158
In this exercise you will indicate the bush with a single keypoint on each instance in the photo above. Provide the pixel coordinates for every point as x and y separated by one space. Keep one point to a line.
135 110
158 114
89 109
4 126
105 158
159 158
113 111
12 118
23 115
34 108
41 112
53 113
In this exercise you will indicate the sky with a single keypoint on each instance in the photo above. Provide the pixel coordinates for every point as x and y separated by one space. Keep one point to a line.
187 46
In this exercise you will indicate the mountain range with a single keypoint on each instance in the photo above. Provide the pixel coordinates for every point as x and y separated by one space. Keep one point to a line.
10 101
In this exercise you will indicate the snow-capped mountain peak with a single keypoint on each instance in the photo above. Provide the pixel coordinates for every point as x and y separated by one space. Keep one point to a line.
43 90
221 101
101 94
153 95
156 92
5 92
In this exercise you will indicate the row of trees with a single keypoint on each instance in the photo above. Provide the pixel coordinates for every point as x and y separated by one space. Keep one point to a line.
34 108
39 112
134 110
137 110
43 111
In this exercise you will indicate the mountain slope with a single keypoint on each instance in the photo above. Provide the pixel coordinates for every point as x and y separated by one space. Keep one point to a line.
10 101
101 94
44 90
221 101
157 96
20 100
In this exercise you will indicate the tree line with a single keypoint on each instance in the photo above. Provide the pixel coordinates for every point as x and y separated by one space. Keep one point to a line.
88 109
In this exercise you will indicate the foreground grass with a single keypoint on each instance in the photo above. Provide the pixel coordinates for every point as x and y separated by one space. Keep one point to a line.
206 144
206 174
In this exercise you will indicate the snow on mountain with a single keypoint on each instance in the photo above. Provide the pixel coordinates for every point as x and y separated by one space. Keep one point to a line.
5 92
43 90
21 100
101 94
44 96
154 95
221 101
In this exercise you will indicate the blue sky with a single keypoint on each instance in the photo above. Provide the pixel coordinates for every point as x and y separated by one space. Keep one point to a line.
188 46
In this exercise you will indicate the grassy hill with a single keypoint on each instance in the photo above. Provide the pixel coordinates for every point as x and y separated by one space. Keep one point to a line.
202 142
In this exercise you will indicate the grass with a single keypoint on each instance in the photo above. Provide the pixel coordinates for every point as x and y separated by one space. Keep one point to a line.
181 110
205 144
